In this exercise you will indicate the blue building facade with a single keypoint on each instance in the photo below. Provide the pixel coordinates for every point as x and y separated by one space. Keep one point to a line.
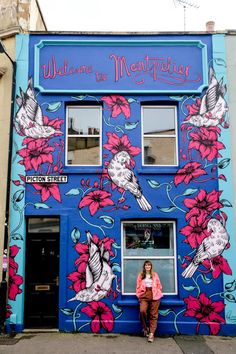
121 154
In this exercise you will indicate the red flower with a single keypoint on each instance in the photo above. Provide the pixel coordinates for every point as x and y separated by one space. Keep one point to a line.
15 280
95 200
116 144
48 189
196 230
117 104
9 312
190 171
206 142
101 316
55 123
193 109
219 265
203 203
78 280
36 153
205 311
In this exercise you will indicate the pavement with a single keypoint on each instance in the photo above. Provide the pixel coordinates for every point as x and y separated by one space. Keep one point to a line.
83 343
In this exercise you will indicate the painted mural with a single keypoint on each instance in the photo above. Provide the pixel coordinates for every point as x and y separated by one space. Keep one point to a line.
99 200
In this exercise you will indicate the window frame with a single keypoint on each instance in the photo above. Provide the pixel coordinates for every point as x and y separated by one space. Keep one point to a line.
160 106
174 257
87 105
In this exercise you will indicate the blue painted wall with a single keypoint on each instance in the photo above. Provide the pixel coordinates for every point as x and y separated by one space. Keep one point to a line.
193 194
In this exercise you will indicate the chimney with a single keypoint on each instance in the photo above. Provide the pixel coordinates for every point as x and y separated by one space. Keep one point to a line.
210 26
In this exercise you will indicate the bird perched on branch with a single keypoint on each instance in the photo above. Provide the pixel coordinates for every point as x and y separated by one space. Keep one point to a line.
211 247
213 105
121 175
29 117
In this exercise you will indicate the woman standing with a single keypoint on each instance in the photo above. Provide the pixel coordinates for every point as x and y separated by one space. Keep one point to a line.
149 293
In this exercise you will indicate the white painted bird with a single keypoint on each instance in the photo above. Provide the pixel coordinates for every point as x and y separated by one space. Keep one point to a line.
29 117
211 247
99 274
213 105
121 175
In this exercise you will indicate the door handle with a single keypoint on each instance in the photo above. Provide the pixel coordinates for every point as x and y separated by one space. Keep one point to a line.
56 280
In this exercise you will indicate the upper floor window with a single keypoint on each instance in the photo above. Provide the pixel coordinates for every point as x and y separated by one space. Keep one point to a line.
159 135
83 135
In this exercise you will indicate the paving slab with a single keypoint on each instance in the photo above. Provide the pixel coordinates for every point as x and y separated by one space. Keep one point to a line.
193 345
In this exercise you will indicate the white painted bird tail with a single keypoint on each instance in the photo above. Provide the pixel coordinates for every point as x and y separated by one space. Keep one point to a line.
190 270
143 203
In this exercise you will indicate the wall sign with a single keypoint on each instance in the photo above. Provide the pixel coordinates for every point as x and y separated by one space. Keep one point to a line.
121 66
46 179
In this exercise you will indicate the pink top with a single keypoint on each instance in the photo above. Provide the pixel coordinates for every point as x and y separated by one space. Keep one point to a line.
156 286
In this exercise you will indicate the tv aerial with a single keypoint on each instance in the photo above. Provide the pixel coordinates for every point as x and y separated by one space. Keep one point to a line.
186 4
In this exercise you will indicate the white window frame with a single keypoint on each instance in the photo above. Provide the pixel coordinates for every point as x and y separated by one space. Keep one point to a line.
160 135
174 257
84 135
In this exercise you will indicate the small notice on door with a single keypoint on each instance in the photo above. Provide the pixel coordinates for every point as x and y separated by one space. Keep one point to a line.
46 179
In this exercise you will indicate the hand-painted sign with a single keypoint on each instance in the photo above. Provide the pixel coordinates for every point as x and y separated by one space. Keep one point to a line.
121 66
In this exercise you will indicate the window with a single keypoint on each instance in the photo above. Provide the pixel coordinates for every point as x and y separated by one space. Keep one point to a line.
152 240
84 135
159 135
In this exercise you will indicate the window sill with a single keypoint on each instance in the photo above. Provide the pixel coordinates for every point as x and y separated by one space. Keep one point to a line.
82 170
158 170
164 301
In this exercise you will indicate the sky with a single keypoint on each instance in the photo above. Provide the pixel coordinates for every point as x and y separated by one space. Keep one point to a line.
137 15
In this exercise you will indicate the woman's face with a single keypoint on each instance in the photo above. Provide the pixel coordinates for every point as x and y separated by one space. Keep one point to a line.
148 267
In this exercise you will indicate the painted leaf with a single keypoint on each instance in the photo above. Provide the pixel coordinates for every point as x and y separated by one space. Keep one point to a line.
79 98
226 203
153 184
107 219
75 235
116 267
53 107
131 100
73 191
205 279
116 308
18 196
167 210
41 206
164 312
115 245
224 163
130 126
176 98
230 286
230 298
188 288
17 237
67 312
220 62
190 191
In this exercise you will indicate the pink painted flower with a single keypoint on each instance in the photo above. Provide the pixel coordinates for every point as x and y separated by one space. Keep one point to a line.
9 312
203 202
101 316
96 200
36 153
55 123
218 265
116 144
47 190
189 172
196 231
117 104
193 109
79 281
15 280
206 142
205 311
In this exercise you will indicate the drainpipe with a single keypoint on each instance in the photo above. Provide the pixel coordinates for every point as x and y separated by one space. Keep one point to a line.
4 283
